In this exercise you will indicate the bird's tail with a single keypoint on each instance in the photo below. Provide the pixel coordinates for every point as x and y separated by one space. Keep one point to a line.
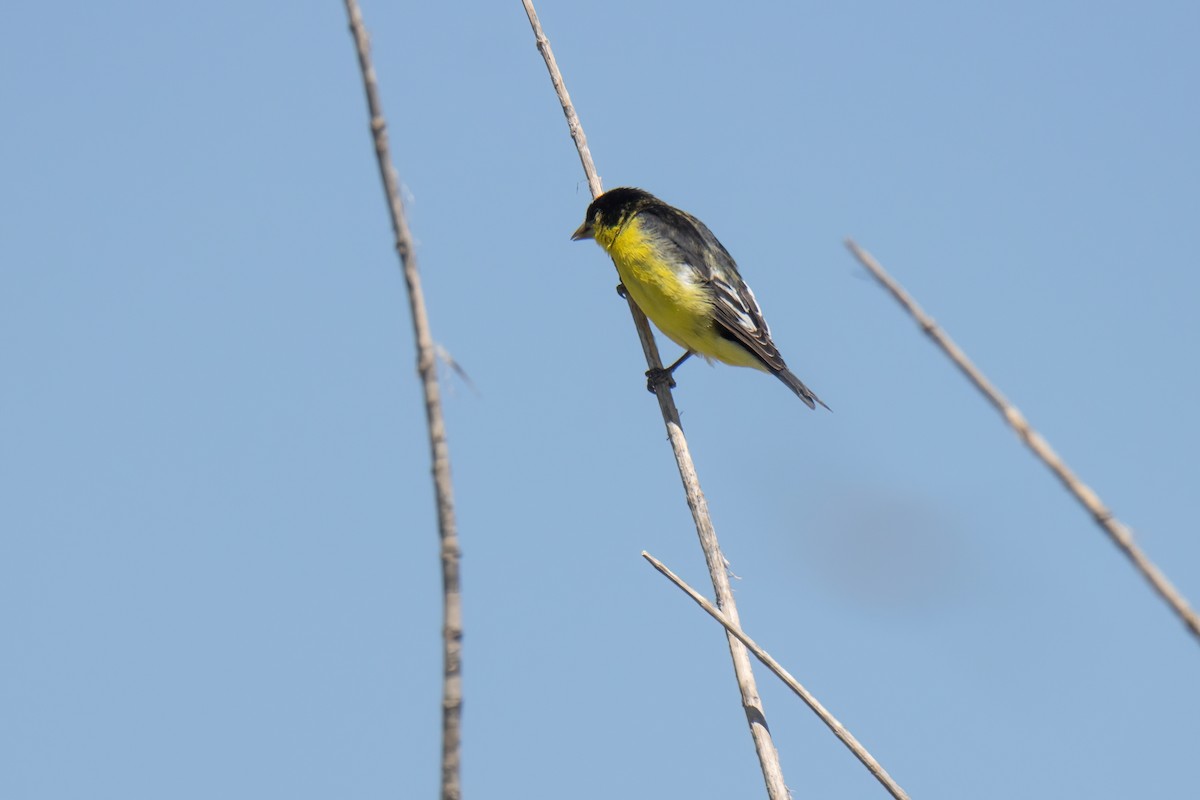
802 391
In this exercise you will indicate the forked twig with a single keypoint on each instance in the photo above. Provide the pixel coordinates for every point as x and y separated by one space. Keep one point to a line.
1116 530
768 756
831 722
427 368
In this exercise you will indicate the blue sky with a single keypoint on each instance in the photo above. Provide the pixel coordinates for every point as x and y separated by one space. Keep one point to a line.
218 562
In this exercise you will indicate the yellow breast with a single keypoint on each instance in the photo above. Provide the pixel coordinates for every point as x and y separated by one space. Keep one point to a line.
668 292
665 291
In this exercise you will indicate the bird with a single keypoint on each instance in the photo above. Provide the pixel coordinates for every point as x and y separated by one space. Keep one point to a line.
684 280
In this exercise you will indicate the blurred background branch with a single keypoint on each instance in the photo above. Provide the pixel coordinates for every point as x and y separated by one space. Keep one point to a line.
1117 532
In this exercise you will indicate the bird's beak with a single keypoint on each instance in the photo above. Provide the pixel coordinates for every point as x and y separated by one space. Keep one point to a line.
584 231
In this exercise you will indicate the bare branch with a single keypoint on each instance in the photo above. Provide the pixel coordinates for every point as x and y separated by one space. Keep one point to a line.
427 369
768 756
1118 532
830 721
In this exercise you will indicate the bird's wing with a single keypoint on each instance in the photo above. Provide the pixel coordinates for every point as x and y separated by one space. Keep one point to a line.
736 312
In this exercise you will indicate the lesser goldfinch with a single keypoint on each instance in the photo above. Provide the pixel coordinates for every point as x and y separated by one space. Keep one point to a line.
686 282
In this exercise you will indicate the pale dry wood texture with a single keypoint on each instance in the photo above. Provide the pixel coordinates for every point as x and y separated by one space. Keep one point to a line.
764 745
839 730
452 630
1117 532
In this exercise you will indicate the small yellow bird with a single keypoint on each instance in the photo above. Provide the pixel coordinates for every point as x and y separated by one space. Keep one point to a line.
686 282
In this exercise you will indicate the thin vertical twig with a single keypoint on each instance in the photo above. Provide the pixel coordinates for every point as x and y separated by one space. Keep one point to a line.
768 755
831 722
1116 530
452 630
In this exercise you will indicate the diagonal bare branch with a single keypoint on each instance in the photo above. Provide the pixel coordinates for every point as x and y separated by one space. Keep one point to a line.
1117 531
768 755
452 630
831 722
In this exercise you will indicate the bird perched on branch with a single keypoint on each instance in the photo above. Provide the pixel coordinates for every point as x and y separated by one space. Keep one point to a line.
686 282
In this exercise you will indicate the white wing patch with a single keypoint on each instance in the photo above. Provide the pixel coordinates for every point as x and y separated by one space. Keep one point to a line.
737 309
741 308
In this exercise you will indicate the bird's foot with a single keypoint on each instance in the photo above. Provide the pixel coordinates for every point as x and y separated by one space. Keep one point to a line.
658 377
621 290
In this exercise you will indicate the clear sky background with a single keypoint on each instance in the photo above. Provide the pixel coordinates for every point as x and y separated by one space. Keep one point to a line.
218 562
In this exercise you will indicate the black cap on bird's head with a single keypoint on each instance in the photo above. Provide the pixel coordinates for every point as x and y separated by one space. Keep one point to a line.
611 208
